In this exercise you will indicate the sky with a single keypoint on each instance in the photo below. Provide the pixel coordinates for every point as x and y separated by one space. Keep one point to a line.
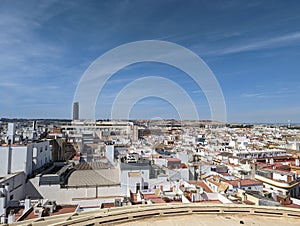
252 48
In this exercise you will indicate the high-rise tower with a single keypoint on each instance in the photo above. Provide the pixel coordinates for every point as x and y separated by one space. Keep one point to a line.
76 111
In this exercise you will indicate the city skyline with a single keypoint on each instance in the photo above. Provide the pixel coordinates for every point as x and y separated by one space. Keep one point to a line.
252 49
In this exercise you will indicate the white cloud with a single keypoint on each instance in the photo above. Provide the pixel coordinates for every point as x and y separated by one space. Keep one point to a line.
282 92
261 44
8 84
251 94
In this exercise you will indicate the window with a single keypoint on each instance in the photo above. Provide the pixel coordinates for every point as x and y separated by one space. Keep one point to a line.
11 197
138 186
146 186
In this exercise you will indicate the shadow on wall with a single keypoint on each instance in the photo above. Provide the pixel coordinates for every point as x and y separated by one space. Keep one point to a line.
31 191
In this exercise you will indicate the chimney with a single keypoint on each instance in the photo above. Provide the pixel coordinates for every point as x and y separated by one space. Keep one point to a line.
11 217
27 203
2 189
2 219
266 161
7 190
272 161
239 184
34 126
297 161
2 202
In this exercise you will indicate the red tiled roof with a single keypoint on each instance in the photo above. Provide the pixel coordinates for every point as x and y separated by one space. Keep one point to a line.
59 210
202 185
107 205
244 183
249 202
154 198
235 202
211 180
173 160
292 206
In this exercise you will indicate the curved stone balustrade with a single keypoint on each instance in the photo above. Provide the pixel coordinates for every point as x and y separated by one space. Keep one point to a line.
114 216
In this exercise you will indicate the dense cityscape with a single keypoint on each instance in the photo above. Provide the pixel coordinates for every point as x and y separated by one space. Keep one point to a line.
51 167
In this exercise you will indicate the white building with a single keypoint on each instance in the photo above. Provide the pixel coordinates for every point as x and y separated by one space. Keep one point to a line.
11 189
279 181
41 154
24 158
134 177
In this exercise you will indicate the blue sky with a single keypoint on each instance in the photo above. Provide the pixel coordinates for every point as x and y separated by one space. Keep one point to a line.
253 48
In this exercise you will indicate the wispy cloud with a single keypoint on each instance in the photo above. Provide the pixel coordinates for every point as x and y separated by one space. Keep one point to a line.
283 92
8 84
251 95
275 42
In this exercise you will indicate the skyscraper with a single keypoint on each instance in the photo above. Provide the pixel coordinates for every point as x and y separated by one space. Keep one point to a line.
76 111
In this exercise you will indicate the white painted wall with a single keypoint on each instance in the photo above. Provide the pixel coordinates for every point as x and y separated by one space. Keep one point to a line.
21 159
5 162
66 196
109 153
125 183
132 182
160 162
278 176
217 196
41 153
16 187
275 189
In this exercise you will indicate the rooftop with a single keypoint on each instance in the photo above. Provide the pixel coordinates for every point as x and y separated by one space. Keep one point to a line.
102 177
92 166
244 182
202 185
60 210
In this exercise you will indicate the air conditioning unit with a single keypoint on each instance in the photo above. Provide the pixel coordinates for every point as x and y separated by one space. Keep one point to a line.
118 202
51 206
38 211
